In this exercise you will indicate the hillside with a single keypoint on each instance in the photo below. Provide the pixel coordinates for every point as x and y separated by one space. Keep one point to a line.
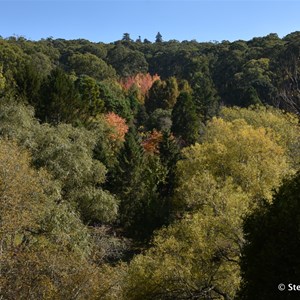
139 170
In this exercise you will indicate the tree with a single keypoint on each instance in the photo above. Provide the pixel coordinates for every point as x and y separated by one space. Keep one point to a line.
140 205
67 153
193 258
119 126
112 94
126 37
285 125
162 94
2 80
270 255
205 95
142 82
127 62
91 65
185 124
158 38
29 81
160 119
59 99
169 153
254 83
250 157
126 175
90 103
44 245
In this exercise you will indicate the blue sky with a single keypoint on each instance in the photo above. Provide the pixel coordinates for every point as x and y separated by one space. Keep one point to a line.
106 21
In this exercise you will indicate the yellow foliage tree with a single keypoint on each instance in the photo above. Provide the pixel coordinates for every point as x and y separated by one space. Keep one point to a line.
218 182
44 246
285 125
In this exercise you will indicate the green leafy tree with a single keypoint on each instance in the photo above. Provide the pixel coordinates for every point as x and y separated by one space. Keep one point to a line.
126 175
90 102
2 80
91 65
28 80
67 153
114 99
205 96
162 94
126 37
44 245
250 157
127 62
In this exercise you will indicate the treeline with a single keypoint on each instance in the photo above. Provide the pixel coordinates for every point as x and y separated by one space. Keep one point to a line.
138 170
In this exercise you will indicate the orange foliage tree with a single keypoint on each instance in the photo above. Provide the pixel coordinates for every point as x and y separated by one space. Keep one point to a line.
143 82
118 125
151 143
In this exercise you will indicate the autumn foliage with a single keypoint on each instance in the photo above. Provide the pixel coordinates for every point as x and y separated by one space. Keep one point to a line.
119 126
142 81
151 143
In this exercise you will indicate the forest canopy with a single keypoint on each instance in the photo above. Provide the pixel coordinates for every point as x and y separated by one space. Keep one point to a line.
139 170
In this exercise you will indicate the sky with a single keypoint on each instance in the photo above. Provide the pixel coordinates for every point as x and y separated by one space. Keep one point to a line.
106 21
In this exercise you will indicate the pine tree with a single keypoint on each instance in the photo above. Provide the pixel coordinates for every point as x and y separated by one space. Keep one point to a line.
184 118
124 179
59 99
169 153
126 37
158 38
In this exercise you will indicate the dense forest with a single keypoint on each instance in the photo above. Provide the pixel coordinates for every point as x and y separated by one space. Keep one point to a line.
138 170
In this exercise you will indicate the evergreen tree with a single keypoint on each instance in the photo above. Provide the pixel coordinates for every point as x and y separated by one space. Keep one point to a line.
184 119
158 38
125 177
59 99
169 153
135 180
205 96
271 254
126 37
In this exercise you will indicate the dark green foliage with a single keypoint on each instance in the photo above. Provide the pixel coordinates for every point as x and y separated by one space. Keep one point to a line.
90 102
126 37
163 94
127 62
185 124
204 93
271 253
28 80
169 153
59 99
158 38
124 178
135 180
160 119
